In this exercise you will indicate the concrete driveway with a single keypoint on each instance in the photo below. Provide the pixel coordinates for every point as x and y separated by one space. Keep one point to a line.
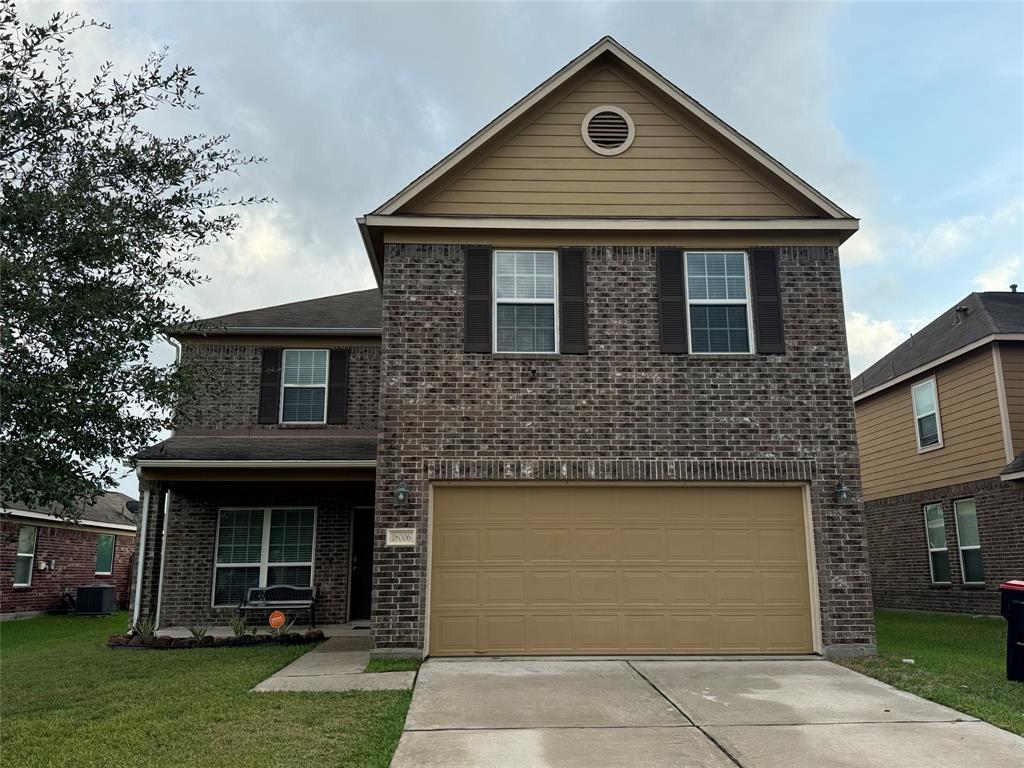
699 714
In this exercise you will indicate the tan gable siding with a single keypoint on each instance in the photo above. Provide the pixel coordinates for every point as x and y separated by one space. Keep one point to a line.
971 431
545 169
1013 379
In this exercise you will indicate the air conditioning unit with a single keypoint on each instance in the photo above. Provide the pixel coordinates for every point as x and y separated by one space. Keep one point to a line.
94 601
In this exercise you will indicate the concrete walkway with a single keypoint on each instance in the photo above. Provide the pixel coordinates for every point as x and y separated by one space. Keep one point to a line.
337 664
804 713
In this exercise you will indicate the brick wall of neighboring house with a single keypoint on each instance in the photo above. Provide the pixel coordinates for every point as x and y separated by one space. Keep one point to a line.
192 533
622 411
900 571
229 387
74 554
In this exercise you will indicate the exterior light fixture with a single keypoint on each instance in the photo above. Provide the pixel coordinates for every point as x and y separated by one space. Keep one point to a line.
401 495
842 493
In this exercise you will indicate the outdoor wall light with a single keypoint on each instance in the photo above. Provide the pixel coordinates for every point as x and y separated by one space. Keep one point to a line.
402 495
842 492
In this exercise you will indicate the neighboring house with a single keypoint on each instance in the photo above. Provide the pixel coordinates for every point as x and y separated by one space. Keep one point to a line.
600 403
940 420
45 558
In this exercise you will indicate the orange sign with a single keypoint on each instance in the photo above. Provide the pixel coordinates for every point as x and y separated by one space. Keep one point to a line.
276 620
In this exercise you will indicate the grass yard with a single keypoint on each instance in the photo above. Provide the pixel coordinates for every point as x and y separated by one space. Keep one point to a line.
67 700
392 665
959 661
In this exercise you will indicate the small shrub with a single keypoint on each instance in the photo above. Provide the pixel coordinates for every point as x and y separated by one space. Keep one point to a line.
198 631
145 629
239 626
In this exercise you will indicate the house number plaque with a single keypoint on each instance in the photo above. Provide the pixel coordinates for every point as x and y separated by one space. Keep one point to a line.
400 537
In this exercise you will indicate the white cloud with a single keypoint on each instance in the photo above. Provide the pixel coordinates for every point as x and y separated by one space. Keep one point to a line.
870 339
865 247
949 239
998 276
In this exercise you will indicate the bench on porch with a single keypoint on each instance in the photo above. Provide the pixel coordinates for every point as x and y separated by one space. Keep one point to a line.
281 596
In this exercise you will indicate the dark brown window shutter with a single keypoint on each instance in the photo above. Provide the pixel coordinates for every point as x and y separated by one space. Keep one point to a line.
764 278
270 387
672 301
478 299
572 299
337 387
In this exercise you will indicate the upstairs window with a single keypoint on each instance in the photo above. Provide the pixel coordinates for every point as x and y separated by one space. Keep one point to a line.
938 552
969 541
718 302
524 301
926 416
26 556
304 386
104 555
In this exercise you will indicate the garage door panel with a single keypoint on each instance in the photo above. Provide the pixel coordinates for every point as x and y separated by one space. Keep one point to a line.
502 545
618 569
686 545
547 588
596 587
596 545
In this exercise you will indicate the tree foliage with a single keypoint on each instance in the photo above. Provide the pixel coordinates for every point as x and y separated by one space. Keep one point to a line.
101 221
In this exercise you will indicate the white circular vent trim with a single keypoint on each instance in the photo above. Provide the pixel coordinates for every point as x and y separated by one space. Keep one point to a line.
617 149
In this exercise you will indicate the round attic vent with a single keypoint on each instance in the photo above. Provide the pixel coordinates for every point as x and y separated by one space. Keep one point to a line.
608 130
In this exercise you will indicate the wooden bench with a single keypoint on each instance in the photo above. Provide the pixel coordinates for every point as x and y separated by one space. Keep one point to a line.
281 596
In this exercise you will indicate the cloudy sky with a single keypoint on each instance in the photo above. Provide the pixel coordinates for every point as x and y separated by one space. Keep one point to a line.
910 116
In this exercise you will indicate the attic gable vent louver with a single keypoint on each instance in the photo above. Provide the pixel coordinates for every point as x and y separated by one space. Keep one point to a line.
608 130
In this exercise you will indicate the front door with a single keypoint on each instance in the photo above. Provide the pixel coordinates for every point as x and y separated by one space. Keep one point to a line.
362 564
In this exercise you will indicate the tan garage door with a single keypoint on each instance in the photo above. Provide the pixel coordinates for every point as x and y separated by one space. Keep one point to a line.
534 569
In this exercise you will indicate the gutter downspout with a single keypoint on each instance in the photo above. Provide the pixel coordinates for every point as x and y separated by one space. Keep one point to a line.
163 558
142 559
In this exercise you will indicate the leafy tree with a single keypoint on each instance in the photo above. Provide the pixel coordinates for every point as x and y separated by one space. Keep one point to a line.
100 224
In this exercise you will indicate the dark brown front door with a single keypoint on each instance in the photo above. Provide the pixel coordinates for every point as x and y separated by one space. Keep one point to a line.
362 564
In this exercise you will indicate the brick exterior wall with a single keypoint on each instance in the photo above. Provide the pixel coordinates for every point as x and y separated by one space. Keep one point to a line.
900 571
192 535
228 387
74 555
622 411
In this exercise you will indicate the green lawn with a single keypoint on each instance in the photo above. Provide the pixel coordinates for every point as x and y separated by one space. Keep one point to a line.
959 661
392 665
67 700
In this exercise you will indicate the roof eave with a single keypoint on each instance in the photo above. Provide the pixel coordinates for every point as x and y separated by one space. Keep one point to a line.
255 330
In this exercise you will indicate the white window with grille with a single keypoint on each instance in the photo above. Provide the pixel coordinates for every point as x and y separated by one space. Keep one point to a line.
969 541
262 547
304 386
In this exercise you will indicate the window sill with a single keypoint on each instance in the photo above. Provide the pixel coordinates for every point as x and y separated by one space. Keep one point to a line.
940 586
104 573
974 587
21 586
930 448
302 425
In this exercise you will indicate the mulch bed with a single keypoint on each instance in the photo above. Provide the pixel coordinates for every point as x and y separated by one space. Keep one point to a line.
136 643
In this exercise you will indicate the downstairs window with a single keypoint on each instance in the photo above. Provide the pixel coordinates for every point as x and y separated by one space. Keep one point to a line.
262 547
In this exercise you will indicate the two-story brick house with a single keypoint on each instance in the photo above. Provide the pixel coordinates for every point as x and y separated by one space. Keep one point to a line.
940 421
613 410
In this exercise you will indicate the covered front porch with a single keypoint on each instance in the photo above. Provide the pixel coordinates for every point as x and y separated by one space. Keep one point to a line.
216 527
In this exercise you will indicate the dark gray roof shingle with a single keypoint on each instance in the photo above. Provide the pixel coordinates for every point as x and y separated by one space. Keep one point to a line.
987 314
207 448
358 311
108 508
1017 465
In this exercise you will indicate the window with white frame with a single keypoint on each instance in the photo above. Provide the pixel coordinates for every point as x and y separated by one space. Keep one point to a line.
105 554
969 541
26 556
262 548
926 415
524 301
938 551
718 301
304 386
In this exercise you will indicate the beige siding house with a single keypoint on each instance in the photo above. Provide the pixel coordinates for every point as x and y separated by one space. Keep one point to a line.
939 423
